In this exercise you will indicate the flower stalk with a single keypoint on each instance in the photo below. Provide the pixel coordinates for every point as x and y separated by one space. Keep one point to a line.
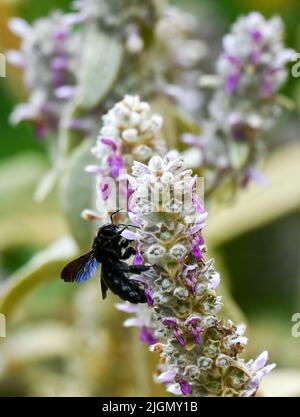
199 350
244 105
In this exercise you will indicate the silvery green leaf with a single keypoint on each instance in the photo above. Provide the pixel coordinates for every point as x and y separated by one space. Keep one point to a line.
46 184
78 193
101 64
176 122
44 266
257 205
22 219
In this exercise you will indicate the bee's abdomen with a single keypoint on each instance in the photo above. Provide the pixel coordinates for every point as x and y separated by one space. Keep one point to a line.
120 284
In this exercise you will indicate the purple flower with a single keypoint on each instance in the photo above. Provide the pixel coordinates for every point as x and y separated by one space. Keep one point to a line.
253 174
138 259
190 139
146 336
66 92
61 35
232 82
104 191
112 143
197 252
179 336
115 163
197 241
59 66
190 277
234 60
239 131
172 323
194 328
185 387
267 89
256 35
255 57
129 235
127 308
133 322
258 369
196 228
40 130
59 63
197 204
167 377
149 296
215 281
130 191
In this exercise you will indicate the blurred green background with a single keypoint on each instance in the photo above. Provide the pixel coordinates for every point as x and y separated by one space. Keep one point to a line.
58 342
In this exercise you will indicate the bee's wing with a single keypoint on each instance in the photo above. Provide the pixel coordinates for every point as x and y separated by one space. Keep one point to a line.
80 269
133 269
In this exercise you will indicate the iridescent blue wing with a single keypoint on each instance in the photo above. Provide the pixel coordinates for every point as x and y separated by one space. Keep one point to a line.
80 269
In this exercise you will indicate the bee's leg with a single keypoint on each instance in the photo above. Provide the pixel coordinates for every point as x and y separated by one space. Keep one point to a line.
124 243
138 269
125 227
128 253
103 288
122 230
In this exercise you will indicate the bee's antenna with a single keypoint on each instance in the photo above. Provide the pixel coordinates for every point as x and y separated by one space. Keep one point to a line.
129 225
113 214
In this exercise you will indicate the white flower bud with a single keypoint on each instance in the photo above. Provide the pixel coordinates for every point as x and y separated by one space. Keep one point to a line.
223 361
166 284
155 252
181 293
130 135
167 177
178 251
135 118
142 153
205 363
156 122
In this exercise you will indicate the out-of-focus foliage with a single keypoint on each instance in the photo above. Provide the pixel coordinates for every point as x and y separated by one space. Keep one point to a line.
63 340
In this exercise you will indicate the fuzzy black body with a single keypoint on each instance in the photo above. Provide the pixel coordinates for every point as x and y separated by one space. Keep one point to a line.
110 250
115 276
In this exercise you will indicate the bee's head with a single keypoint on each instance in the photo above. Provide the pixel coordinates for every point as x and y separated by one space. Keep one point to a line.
108 230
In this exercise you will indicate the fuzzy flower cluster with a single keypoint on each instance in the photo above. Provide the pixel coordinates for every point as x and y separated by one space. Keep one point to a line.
254 57
127 16
170 51
178 38
48 57
130 132
163 40
199 351
250 71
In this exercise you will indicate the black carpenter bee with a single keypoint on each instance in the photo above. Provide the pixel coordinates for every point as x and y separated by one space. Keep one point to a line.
109 249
